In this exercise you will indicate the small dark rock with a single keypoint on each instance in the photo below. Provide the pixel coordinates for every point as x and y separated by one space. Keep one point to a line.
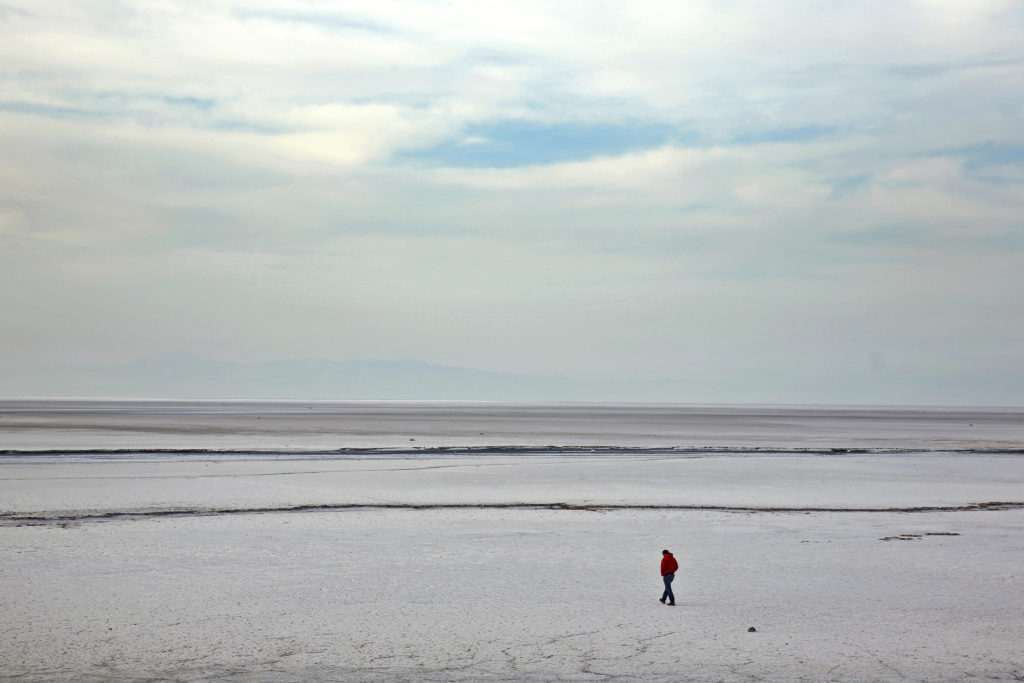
751 630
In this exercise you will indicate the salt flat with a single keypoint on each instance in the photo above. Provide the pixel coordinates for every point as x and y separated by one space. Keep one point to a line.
274 541
516 595
283 425
434 593
901 481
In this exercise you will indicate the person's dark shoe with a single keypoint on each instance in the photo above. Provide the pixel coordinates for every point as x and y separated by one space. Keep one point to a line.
671 604
661 600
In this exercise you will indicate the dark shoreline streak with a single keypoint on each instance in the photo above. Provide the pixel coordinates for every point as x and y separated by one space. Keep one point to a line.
9 519
255 453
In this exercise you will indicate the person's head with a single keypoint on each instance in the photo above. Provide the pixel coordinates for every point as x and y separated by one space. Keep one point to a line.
665 552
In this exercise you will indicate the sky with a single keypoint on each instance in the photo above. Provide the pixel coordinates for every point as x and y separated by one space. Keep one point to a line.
786 202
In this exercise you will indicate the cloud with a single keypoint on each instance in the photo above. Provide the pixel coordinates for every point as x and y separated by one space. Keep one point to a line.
753 190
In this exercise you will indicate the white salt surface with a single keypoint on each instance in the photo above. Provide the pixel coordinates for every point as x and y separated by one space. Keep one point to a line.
383 594
185 566
516 595
861 481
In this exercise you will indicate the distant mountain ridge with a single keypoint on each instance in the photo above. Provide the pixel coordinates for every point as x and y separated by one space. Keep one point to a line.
183 374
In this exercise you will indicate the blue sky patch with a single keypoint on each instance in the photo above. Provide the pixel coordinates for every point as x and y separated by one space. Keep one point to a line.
981 156
850 185
982 162
883 236
326 20
523 143
794 134
200 103
125 98
48 110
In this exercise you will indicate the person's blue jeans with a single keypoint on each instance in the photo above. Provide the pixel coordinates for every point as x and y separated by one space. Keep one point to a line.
668 588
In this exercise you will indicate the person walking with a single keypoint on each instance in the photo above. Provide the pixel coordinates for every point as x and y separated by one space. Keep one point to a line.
668 573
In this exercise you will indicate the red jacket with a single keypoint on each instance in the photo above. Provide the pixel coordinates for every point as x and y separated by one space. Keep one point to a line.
668 564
